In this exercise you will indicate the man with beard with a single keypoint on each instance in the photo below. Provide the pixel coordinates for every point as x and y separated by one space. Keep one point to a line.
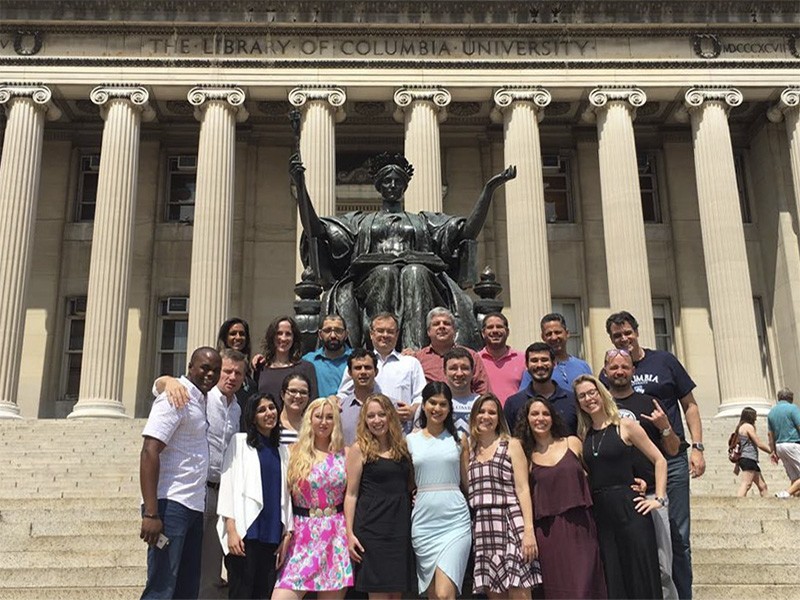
540 361
330 359
556 335
647 411
173 471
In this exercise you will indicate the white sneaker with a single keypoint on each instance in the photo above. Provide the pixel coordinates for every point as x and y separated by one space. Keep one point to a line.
783 495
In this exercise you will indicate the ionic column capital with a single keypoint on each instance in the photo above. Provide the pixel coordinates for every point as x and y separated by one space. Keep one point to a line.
507 96
334 96
406 96
789 100
231 98
40 95
136 95
599 98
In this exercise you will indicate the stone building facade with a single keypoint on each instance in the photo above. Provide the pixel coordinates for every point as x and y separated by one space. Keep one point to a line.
145 194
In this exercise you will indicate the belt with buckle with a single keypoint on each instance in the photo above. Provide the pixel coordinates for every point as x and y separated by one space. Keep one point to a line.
214 485
328 511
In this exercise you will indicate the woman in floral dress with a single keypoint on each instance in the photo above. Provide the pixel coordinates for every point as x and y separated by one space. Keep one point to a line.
317 558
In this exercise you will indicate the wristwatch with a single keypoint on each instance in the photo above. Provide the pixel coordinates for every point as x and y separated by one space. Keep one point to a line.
665 432
664 502
698 446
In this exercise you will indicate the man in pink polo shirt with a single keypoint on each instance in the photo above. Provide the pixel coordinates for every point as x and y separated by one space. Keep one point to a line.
504 365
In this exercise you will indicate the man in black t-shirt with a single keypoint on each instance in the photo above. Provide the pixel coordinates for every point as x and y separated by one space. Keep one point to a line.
618 369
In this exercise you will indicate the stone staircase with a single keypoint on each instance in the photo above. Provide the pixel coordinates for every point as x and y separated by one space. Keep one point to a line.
70 496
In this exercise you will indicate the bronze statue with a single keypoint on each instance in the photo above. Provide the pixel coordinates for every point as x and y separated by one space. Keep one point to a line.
394 261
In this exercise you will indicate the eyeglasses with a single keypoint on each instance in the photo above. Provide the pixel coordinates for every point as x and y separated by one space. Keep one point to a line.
593 393
614 352
330 330
300 393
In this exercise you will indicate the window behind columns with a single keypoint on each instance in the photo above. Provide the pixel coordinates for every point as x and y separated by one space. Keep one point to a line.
181 187
763 346
88 176
742 185
648 185
173 326
662 325
570 308
558 197
74 326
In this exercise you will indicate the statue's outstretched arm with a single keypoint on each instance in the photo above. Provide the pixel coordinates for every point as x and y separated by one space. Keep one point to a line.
308 215
476 220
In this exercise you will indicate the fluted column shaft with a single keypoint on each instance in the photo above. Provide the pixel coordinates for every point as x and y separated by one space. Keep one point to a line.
528 263
623 221
730 295
789 109
109 271
26 107
217 109
422 110
321 109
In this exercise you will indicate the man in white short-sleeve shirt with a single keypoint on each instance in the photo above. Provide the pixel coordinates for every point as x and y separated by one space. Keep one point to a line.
173 472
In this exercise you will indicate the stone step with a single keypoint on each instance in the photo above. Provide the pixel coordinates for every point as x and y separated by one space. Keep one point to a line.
81 592
39 559
770 556
713 541
89 504
24 514
703 591
70 577
734 573
129 541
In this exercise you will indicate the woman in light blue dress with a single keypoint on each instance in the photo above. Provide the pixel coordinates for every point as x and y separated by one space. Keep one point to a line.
441 532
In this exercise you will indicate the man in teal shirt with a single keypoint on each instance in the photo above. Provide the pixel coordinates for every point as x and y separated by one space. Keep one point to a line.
330 359
783 421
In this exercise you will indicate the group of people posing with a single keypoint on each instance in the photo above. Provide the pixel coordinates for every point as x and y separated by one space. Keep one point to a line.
396 472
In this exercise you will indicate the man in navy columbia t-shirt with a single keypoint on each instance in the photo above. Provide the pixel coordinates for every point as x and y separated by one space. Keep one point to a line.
660 374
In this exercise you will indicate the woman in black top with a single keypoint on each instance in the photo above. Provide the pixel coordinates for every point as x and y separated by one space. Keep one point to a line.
624 525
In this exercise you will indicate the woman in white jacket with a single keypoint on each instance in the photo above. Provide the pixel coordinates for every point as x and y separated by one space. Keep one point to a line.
254 507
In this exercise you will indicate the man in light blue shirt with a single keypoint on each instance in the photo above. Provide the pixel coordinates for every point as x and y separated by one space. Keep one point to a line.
567 367
330 359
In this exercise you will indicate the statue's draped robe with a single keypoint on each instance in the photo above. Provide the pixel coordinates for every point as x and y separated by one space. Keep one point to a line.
402 263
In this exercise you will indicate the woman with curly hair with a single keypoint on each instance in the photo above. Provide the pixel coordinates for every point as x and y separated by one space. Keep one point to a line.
317 558
254 503
566 533
505 546
441 531
281 351
378 502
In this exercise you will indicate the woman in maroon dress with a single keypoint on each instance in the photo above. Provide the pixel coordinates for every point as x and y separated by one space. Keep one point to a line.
566 535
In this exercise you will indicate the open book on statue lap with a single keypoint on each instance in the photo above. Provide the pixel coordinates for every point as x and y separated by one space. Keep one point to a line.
366 262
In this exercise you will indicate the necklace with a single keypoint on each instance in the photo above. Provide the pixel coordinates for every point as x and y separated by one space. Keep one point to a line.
596 451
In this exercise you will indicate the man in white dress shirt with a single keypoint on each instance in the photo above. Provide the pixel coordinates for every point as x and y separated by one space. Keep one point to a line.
173 472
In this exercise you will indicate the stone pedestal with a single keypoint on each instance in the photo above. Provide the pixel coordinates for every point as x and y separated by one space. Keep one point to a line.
218 110
623 222
528 264
730 295
421 110
26 108
321 109
109 271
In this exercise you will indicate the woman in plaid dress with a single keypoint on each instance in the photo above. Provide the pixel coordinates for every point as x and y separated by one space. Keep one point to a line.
505 545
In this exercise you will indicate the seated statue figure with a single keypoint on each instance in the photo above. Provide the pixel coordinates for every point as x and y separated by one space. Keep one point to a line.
394 261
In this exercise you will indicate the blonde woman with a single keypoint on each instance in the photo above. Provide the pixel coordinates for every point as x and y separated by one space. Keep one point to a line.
317 558
624 526
378 502
497 470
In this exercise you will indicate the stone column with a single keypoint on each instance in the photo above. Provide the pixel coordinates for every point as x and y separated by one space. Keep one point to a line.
614 109
26 108
122 108
520 110
218 109
788 109
422 109
741 382
321 109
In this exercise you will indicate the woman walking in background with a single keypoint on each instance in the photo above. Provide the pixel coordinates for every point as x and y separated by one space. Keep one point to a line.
748 463
440 524
569 553
378 502
505 546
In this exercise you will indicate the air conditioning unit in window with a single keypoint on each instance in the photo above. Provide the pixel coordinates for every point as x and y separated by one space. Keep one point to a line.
76 306
187 162
93 161
175 305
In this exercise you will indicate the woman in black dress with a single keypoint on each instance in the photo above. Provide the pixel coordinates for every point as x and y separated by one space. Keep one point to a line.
281 348
624 524
378 503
